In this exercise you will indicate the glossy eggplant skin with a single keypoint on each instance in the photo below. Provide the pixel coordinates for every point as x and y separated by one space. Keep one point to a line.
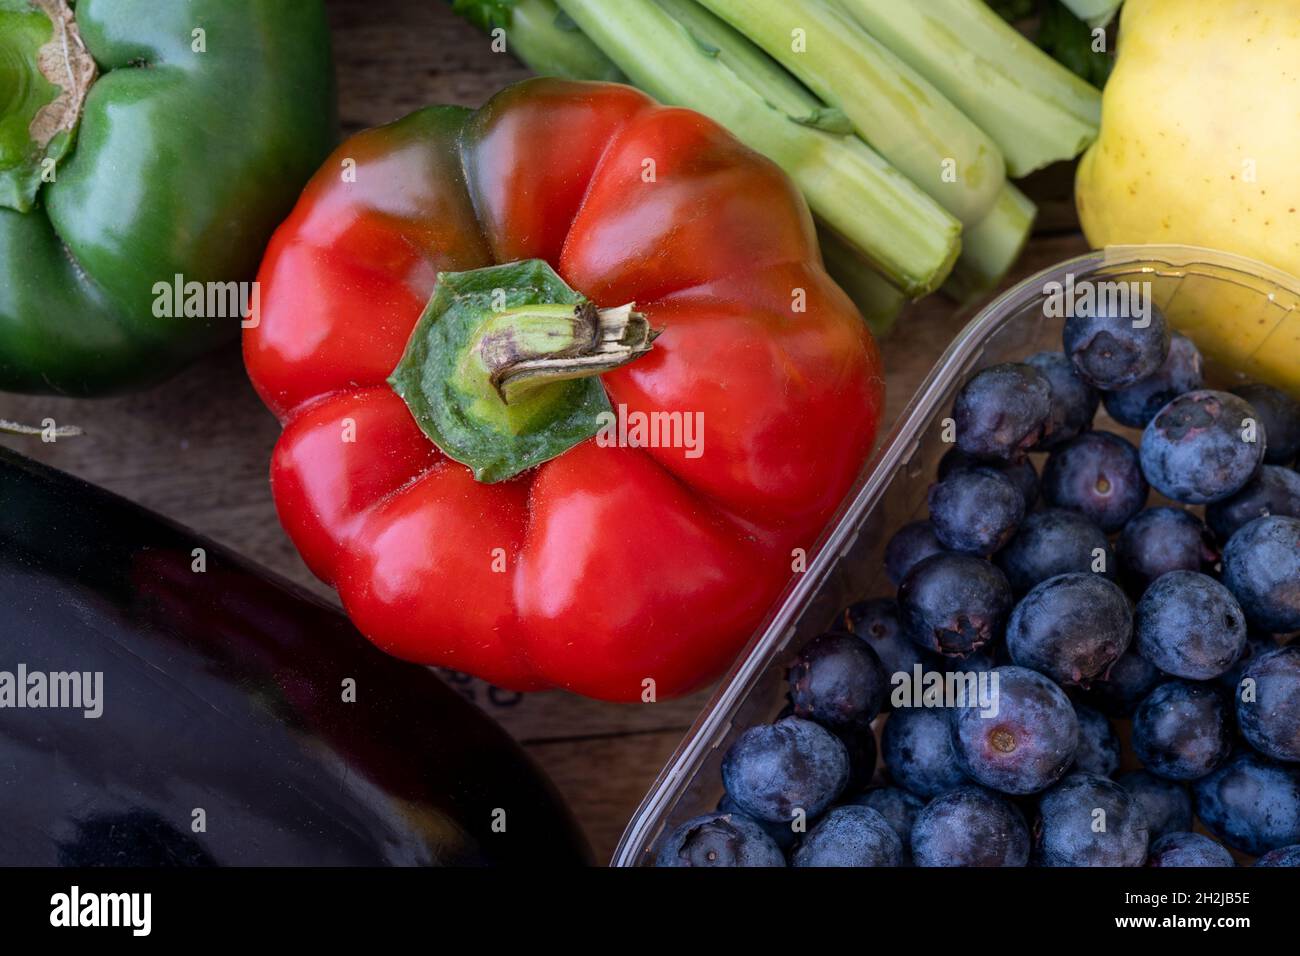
226 735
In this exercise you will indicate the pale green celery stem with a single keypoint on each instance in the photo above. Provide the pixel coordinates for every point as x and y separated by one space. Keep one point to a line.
747 61
993 246
1096 13
988 251
878 301
896 226
1036 110
894 108
547 49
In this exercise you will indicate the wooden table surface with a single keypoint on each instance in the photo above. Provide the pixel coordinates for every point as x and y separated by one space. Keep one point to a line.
196 449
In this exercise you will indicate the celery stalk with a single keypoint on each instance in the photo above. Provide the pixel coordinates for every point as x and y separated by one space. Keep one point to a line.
911 239
992 246
878 301
540 36
755 67
991 243
989 247
550 49
892 107
1036 110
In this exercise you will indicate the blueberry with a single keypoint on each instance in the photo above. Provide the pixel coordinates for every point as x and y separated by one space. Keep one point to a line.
954 604
850 836
975 512
1282 856
1183 371
1072 628
1097 474
1200 448
1074 401
1003 411
918 751
1166 805
1068 831
860 744
1160 540
1189 849
1280 415
1131 678
878 622
1256 644
1261 566
719 839
1182 731
910 545
773 771
985 659
1052 542
1274 491
1021 472
1268 703
836 679
1189 625
1028 744
1251 803
1110 351
1098 745
899 808
970 826
782 834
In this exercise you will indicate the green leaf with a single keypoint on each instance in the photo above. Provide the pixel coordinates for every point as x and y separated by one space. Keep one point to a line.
1070 42
486 14
828 119
448 390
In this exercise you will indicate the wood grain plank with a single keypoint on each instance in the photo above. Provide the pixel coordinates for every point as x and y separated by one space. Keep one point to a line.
604 778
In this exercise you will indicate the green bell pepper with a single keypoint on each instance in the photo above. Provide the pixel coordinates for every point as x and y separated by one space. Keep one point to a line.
147 152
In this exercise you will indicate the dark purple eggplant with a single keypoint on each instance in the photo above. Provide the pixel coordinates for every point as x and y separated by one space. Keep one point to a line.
242 721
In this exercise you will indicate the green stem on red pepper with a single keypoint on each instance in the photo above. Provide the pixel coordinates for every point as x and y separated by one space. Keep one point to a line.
501 372
45 73
539 344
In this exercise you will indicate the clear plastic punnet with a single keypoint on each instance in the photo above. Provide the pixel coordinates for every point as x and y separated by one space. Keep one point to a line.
1245 317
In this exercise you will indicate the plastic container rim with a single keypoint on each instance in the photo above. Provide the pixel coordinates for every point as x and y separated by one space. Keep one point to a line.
895 450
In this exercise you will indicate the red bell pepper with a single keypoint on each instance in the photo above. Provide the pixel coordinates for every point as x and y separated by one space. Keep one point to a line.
449 461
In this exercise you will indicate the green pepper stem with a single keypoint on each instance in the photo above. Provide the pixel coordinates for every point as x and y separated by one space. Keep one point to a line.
534 345
45 73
